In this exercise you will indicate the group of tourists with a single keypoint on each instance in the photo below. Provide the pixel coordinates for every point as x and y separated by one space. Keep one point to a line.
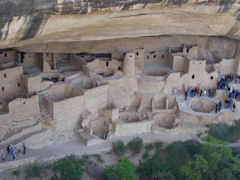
228 102
13 152
223 84
195 91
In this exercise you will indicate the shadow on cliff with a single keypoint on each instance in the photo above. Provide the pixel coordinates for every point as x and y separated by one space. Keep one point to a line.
33 26
36 9
225 5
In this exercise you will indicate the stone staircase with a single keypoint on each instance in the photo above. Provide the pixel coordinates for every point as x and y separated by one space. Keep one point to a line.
21 134
44 112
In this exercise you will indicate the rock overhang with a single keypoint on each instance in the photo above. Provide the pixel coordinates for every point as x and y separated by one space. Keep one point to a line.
39 22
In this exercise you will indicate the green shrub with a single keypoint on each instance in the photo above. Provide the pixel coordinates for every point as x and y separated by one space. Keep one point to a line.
225 132
119 148
85 157
236 151
108 153
146 155
158 145
151 166
218 130
135 145
163 176
193 147
149 147
33 171
68 168
16 173
98 158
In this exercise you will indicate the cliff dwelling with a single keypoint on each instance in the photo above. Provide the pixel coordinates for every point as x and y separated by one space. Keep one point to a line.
71 76
101 96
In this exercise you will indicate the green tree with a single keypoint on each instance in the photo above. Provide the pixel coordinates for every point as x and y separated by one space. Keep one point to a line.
124 169
68 168
195 170
215 162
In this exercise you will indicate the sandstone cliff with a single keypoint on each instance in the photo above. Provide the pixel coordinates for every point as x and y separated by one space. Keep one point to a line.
27 22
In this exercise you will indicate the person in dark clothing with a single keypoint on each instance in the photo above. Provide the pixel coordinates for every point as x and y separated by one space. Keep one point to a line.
8 149
216 109
219 106
24 148
234 107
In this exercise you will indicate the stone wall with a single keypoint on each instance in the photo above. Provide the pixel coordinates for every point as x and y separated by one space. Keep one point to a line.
10 82
96 98
8 56
32 59
132 129
226 66
179 63
198 77
35 83
24 107
59 92
67 112
150 85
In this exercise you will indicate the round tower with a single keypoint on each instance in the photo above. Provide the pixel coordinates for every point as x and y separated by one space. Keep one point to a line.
129 64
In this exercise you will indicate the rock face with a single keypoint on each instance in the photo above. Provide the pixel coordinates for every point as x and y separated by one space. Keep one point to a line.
27 22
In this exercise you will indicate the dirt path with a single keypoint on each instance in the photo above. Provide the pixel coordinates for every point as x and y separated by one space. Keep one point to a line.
57 151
